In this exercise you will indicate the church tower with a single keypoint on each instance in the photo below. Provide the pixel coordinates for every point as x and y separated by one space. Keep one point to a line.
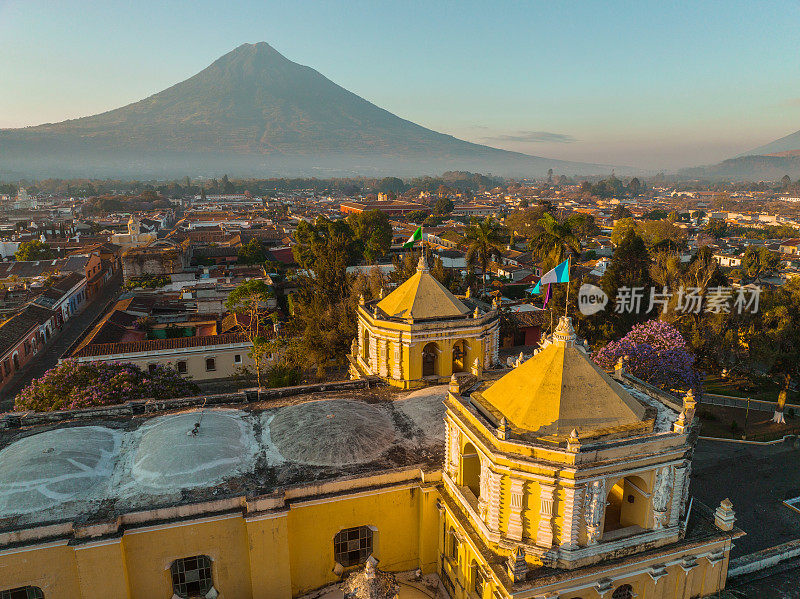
422 334
561 481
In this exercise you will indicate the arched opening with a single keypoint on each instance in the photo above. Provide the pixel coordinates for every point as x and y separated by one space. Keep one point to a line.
459 356
430 359
627 505
16 361
471 470
365 345
624 591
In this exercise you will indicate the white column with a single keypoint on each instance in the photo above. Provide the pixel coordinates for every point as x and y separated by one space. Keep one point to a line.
453 450
496 345
595 503
373 354
484 488
544 535
383 357
487 350
515 516
677 494
573 512
493 507
397 369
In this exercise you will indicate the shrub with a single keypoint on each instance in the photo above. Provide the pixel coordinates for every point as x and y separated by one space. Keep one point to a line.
74 384
282 375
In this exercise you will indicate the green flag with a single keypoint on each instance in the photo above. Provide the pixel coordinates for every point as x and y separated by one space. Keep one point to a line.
416 236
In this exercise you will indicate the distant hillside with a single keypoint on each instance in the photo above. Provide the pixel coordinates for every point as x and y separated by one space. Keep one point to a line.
253 112
748 168
785 144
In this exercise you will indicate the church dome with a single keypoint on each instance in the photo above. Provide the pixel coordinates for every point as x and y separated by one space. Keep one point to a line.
170 457
560 389
422 297
50 468
332 432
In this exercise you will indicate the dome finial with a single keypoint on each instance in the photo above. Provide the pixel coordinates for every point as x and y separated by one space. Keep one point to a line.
422 265
564 333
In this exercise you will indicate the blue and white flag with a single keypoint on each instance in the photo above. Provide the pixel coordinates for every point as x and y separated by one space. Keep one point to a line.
560 274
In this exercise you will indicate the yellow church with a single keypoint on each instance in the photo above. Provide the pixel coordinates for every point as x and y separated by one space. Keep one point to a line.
421 334
555 480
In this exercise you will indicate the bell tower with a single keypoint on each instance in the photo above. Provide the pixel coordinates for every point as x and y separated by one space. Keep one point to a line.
562 464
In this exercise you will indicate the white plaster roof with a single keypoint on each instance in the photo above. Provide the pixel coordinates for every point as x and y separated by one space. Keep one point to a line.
73 470
41 471
168 456
353 432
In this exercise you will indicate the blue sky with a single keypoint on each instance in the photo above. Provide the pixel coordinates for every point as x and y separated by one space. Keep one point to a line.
650 84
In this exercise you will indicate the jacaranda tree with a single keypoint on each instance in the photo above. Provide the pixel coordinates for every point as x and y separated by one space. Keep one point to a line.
74 384
656 353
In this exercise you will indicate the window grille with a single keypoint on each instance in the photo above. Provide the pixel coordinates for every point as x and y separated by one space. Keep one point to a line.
191 576
352 546
22 593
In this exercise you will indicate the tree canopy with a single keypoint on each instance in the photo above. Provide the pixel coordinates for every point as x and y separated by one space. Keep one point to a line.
34 250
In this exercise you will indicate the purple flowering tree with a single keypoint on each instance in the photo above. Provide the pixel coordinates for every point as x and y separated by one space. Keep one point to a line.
656 353
74 384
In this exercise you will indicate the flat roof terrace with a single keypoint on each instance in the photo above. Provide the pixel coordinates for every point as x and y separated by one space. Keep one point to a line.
97 469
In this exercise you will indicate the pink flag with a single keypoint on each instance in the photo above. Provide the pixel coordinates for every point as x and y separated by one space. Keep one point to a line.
546 296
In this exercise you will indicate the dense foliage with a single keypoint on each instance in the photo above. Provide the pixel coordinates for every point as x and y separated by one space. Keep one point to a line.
34 250
73 384
655 352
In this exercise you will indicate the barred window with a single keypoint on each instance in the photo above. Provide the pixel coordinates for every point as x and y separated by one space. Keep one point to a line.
22 593
352 546
191 576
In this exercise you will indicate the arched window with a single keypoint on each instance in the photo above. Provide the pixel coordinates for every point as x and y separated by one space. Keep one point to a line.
453 540
191 576
22 593
352 546
471 469
477 579
624 591
365 345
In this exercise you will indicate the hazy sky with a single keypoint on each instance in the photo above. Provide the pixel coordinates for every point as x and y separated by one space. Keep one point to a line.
652 84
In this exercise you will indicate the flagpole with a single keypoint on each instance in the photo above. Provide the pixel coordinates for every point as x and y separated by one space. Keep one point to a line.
566 303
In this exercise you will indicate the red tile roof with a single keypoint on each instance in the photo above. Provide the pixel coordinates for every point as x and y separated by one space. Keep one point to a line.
153 345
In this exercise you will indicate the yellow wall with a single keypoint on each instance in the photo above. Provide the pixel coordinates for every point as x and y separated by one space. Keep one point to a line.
270 556
53 570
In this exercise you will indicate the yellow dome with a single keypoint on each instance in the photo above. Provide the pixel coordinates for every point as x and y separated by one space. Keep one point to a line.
422 296
561 389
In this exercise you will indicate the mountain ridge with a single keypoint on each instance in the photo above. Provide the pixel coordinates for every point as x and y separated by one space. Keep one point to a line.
254 111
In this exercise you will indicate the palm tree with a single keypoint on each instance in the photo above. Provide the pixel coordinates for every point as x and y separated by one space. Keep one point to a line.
484 241
555 240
